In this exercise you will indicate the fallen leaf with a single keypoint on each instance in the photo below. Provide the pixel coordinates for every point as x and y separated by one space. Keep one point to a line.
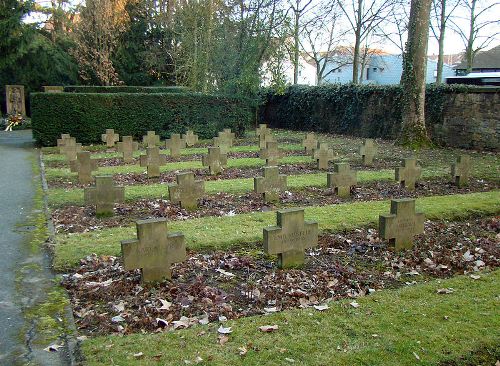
120 307
117 319
242 350
416 356
354 304
223 330
475 277
268 328
271 310
161 322
225 273
445 290
198 359
321 307
165 305
138 355
53 347
223 339
291 360
467 256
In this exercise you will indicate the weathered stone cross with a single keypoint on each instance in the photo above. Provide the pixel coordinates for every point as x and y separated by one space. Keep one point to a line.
460 170
408 174
227 136
152 160
401 224
342 179
272 154
110 137
270 184
222 144
368 151
323 155
127 148
310 143
154 250
262 130
71 148
175 144
151 139
190 138
214 160
290 237
186 191
84 166
104 195
62 141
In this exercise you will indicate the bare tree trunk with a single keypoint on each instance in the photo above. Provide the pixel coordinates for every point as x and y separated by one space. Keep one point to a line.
296 45
357 44
413 131
442 29
469 50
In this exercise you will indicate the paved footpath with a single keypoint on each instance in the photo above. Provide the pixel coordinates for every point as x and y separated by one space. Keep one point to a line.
25 276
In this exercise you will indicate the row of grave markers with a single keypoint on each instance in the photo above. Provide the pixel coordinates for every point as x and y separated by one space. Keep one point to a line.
155 249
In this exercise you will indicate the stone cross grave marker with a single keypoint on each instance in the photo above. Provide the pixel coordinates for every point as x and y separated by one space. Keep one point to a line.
154 250
270 184
127 148
368 151
175 144
342 179
265 137
62 141
104 195
323 155
272 154
153 160
408 174
84 165
402 224
190 138
15 101
151 139
460 170
186 191
227 136
110 137
290 237
214 160
71 148
262 130
222 144
310 143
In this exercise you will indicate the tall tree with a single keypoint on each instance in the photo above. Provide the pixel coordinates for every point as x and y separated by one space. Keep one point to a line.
482 29
298 8
364 16
413 131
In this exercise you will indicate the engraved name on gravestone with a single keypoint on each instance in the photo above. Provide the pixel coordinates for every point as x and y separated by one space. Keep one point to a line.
151 139
104 195
127 147
460 170
70 148
175 144
154 251
323 155
310 143
408 174
272 154
290 237
84 166
402 224
153 160
15 99
271 184
214 160
186 191
368 151
110 138
342 179
190 138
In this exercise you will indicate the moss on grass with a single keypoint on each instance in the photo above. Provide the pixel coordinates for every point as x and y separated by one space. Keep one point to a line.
224 232
409 326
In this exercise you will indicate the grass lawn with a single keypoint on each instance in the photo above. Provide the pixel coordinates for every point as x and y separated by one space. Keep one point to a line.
410 326
225 232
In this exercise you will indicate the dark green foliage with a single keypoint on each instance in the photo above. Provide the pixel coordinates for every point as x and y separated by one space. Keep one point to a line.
124 89
359 110
86 116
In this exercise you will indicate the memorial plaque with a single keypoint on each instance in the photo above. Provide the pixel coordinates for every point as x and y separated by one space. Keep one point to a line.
290 237
154 251
408 174
175 144
310 143
153 160
190 138
84 166
151 139
460 170
368 151
186 191
402 224
14 99
323 155
104 195
110 138
342 179
127 148
271 184
214 160
272 154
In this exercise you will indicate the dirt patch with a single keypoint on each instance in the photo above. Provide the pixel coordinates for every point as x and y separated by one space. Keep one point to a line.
218 285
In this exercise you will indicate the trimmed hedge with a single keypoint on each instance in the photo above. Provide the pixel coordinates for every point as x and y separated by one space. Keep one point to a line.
124 89
86 116
359 110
